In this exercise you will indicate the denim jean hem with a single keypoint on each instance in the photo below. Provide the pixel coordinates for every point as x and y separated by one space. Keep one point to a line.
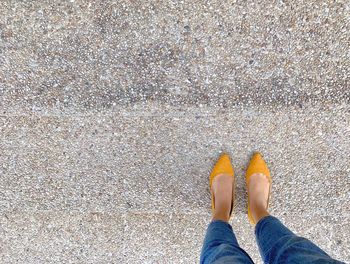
261 222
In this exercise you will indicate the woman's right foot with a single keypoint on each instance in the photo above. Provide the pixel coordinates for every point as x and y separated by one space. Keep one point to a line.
258 181
258 193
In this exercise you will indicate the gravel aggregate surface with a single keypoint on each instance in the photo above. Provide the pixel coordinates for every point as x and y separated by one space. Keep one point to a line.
112 114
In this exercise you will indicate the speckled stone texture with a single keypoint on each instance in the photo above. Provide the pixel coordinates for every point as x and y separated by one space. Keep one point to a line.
113 113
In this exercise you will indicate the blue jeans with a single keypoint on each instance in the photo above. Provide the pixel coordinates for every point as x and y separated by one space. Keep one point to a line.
277 244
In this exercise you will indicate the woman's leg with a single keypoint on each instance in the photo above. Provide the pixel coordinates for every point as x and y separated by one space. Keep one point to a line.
220 244
277 244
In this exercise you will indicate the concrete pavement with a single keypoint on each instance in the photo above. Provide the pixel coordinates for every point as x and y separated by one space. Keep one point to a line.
112 115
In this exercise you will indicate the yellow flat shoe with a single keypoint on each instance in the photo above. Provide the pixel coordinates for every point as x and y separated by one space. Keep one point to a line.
257 165
222 166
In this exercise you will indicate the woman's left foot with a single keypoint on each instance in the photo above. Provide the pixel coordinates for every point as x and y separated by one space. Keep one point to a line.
221 181
222 189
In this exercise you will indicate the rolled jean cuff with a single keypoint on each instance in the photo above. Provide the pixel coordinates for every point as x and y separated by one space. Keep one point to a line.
223 230
267 232
277 244
220 245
